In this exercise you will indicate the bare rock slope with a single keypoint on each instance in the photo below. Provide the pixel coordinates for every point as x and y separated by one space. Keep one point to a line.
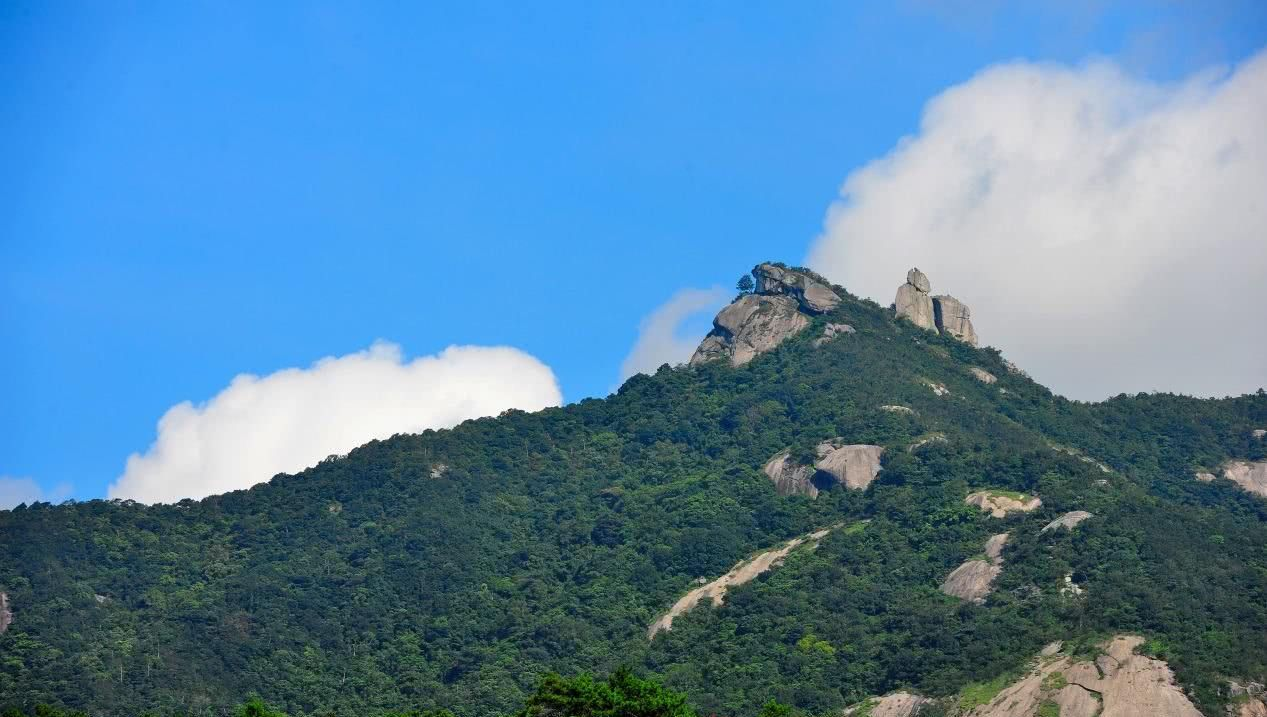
743 572
1119 683
1069 520
897 704
790 477
1249 475
973 580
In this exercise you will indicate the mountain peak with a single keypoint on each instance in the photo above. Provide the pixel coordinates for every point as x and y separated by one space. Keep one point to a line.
780 306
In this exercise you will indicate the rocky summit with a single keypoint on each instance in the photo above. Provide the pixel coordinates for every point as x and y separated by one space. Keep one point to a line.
780 307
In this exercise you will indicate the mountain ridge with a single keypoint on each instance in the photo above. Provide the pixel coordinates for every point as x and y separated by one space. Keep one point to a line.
550 541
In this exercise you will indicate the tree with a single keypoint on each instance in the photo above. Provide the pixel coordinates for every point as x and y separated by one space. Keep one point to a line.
622 695
744 285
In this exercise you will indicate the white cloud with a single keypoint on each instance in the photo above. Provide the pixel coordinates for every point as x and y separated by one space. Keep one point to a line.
291 419
15 490
1110 234
660 336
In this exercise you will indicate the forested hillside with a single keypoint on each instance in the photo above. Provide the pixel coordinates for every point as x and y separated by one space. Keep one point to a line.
455 568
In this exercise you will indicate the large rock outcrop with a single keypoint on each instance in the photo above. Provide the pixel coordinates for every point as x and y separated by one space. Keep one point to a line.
813 295
755 323
1119 683
752 325
954 319
913 301
982 375
790 477
853 466
1249 475
897 704
941 313
999 503
831 331
1068 521
973 580
6 615
742 572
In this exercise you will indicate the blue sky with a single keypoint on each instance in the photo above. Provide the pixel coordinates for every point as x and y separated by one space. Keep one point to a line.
192 191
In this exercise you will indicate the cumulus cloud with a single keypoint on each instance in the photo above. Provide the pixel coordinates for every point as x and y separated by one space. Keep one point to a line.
291 419
1109 233
14 491
661 335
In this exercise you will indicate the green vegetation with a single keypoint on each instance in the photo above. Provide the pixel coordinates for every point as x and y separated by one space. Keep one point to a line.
365 585
622 694
976 694
1047 708
1054 681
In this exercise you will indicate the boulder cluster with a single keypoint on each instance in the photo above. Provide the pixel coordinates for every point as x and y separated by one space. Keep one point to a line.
854 466
942 313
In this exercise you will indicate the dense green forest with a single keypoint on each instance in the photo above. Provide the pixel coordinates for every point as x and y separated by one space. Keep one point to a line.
456 569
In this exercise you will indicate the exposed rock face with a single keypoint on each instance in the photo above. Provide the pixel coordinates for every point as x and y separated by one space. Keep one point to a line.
999 505
973 580
897 409
752 325
898 704
1119 684
982 375
954 319
743 572
790 478
919 280
1248 699
1249 475
1068 520
756 323
831 331
853 466
1260 432
941 313
813 295
6 615
926 440
938 388
913 301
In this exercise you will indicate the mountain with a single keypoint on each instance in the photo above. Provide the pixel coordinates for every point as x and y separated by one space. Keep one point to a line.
829 479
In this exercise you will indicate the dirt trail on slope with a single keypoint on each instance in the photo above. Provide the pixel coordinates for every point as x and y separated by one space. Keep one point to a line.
738 575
